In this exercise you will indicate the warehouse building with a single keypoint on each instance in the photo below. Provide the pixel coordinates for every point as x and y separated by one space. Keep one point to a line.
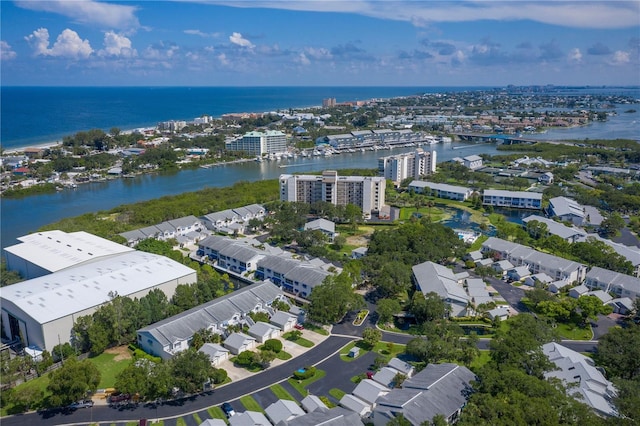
41 311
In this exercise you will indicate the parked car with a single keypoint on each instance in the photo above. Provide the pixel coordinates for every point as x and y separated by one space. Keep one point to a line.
81 404
298 327
228 409
117 397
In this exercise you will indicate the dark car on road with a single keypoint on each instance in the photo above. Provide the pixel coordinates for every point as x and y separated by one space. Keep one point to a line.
228 409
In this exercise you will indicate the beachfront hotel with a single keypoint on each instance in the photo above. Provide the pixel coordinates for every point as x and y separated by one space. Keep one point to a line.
259 143
408 165
365 192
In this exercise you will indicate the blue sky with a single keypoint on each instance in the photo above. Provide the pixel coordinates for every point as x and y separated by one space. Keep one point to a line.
318 43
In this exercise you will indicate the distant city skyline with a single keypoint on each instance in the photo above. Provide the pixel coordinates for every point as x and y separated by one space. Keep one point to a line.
319 43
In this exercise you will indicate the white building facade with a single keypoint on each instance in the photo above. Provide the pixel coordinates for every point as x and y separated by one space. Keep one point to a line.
259 143
408 165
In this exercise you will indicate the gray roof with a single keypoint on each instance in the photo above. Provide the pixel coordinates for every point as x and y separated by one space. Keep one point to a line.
354 403
249 418
135 235
368 390
312 403
531 256
214 350
632 254
307 275
582 379
213 422
385 376
472 157
280 318
283 410
237 340
184 325
438 389
320 224
557 228
513 194
563 206
241 253
184 222
612 278
337 416
403 367
262 329
214 242
440 187
432 277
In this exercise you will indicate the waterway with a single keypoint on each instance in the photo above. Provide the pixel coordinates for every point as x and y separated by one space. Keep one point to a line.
25 215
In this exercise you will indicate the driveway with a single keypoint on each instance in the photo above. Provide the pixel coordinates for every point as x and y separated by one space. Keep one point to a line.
513 295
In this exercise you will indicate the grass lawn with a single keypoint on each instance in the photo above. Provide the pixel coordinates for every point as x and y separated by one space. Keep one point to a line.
316 329
337 393
252 368
179 422
388 351
251 404
573 332
283 355
160 423
281 392
216 413
197 418
344 352
481 360
301 385
39 385
109 368
300 341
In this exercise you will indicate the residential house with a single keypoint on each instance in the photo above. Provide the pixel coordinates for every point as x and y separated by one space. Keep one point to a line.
167 230
477 290
283 320
541 278
298 277
578 291
502 266
431 277
512 199
472 162
501 312
283 410
355 404
546 178
473 256
402 366
172 335
312 403
239 342
518 273
369 391
263 331
441 190
337 416
359 253
582 379
213 422
217 353
556 286
439 389
568 233
622 305
249 418
603 296
325 226
567 210
554 266
386 376
613 282
630 253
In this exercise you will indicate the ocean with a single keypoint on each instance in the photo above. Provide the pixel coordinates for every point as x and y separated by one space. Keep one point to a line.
37 115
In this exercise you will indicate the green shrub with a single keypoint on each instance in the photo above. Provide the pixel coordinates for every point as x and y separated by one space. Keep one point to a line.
245 358
274 345
219 375
308 372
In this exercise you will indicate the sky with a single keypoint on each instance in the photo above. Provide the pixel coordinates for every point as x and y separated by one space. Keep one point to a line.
319 43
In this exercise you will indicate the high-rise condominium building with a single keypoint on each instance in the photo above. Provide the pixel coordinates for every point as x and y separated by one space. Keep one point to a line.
365 192
258 143
408 165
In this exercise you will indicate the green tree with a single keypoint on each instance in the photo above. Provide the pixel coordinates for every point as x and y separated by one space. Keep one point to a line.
591 306
264 358
331 300
371 336
386 309
72 381
273 345
618 352
428 308
612 224
190 370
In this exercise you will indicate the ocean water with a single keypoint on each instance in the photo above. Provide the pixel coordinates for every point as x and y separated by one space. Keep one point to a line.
36 115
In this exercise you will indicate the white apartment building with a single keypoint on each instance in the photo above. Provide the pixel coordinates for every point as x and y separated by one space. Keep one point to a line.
365 192
259 143
441 190
408 165
512 199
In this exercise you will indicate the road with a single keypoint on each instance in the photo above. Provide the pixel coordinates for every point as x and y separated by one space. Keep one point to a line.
324 355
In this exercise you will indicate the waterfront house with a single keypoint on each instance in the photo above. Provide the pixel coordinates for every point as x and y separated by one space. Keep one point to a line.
472 162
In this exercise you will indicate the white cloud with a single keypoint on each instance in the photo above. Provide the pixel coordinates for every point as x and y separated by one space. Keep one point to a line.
202 34
117 45
160 52
318 53
88 12
620 57
572 13
302 59
236 38
223 59
6 52
67 45
575 55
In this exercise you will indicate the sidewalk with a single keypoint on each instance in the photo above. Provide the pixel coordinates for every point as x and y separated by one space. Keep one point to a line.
239 373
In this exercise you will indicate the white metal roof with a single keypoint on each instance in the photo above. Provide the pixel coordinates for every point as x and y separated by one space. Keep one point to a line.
63 293
57 250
